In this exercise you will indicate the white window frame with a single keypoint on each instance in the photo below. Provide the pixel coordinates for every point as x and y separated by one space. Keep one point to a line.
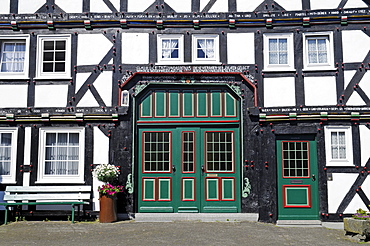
17 38
348 161
39 60
215 59
10 179
290 49
44 178
330 51
163 61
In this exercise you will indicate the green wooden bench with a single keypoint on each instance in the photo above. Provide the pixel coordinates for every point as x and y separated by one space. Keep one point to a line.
46 195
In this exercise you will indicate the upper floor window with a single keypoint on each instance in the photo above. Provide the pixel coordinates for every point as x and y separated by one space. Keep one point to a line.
61 155
54 56
318 51
170 48
8 153
278 52
338 144
205 49
14 56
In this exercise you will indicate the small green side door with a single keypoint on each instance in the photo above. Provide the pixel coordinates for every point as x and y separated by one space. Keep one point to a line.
297 178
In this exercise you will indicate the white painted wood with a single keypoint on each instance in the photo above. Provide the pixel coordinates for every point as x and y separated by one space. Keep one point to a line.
290 5
355 100
135 48
91 48
279 92
320 4
138 5
24 6
348 159
365 143
13 96
51 95
70 6
103 84
244 53
180 6
50 197
95 199
5 6
320 91
27 146
338 188
41 189
356 45
218 6
88 100
11 178
101 147
80 80
247 6
355 4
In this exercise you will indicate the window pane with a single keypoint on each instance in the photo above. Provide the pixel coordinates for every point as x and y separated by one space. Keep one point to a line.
156 156
48 45
48 56
12 56
219 152
60 45
59 67
60 56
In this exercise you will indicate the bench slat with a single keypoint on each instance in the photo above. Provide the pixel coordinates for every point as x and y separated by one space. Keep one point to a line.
49 196
38 189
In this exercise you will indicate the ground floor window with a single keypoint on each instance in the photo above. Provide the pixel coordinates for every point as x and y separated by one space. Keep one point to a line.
8 152
61 155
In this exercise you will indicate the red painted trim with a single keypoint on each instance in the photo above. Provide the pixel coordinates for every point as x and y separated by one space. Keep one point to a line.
143 189
199 73
143 156
308 155
205 154
187 121
297 206
164 200
182 151
194 189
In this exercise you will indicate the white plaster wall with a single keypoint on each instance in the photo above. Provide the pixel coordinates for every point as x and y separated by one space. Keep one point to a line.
103 84
355 4
100 156
240 48
247 6
219 6
355 100
328 4
365 143
80 80
357 203
348 75
180 6
13 96
70 6
28 7
88 100
91 48
320 91
27 155
5 6
135 48
51 95
138 5
279 92
356 45
290 5
100 7
338 188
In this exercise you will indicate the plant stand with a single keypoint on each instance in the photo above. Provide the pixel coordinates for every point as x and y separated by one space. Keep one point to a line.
108 211
355 226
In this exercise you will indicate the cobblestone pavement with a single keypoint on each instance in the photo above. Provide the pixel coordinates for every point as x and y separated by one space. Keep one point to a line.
167 233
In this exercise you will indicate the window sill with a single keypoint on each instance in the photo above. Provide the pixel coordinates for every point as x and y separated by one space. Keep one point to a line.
13 76
318 68
275 70
52 77
195 63
64 181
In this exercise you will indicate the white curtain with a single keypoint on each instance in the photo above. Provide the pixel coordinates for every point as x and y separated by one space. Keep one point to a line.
62 153
12 57
207 46
168 46
5 153
278 51
317 51
338 145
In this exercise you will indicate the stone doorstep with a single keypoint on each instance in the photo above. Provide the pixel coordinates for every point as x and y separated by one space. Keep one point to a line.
299 223
203 217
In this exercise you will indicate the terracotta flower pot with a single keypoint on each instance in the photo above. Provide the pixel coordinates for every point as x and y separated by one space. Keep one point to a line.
108 211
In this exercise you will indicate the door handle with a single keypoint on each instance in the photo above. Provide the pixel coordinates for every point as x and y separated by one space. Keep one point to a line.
202 169
313 177
173 168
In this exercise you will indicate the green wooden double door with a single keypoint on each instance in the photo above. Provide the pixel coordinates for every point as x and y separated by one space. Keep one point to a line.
191 169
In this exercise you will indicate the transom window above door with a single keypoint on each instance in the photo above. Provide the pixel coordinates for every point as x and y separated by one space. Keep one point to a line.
188 103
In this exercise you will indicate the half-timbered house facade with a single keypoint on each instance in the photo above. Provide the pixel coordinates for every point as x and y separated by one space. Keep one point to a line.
207 106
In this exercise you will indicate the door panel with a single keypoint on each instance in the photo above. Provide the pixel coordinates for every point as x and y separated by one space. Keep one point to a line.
189 170
297 183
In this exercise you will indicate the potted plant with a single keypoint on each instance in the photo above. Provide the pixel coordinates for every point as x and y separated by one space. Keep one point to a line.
108 174
358 224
